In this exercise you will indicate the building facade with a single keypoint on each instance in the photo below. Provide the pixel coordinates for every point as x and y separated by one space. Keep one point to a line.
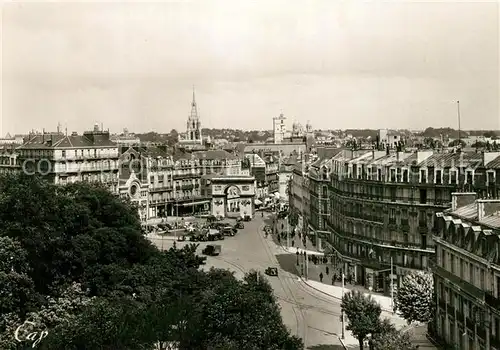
231 195
369 208
174 182
63 159
467 273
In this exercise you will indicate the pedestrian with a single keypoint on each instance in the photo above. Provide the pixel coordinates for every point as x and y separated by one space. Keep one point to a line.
327 270
293 243
321 276
334 278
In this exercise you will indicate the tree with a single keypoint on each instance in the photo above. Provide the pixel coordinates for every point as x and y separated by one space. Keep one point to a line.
388 337
414 298
362 313
456 143
68 231
98 283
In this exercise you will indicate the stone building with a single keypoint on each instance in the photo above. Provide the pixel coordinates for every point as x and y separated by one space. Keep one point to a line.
368 207
467 274
63 158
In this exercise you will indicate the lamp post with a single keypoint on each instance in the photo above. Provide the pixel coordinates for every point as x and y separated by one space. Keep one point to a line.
392 287
342 310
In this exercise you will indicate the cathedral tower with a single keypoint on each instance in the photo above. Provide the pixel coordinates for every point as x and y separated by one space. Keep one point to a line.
193 131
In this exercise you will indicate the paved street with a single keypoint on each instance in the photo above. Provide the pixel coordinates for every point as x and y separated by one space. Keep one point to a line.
308 312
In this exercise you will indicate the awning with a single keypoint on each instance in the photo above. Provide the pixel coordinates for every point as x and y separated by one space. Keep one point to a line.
257 202
190 204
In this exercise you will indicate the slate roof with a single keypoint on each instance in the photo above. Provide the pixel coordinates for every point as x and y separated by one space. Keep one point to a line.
494 164
491 220
214 155
50 141
467 211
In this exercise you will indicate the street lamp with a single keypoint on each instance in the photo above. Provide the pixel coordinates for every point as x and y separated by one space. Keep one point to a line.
342 310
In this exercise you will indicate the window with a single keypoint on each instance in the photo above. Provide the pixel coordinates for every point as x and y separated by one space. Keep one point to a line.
393 175
379 174
423 176
452 263
438 176
393 194
482 279
392 216
469 179
423 196
63 154
405 175
471 273
491 177
453 177
423 241
439 196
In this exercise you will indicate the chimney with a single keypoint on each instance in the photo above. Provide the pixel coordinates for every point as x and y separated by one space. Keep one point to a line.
43 135
461 199
486 207
489 156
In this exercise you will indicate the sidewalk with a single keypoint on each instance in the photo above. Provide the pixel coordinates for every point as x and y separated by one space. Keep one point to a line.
293 250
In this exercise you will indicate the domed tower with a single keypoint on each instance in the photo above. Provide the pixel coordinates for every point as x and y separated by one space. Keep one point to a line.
309 128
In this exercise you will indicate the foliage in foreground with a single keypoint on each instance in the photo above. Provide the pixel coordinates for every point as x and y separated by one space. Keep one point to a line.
363 320
414 298
73 261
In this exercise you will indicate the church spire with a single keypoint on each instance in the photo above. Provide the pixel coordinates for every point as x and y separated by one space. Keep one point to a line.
194 99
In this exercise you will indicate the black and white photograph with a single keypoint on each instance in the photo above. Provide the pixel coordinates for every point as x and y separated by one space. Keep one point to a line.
250 175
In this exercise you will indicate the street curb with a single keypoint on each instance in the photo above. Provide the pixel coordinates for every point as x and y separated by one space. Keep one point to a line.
333 296
343 344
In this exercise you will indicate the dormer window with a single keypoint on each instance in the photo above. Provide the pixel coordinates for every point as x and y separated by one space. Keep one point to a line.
453 177
469 178
393 175
423 176
405 175
379 174
438 177
490 177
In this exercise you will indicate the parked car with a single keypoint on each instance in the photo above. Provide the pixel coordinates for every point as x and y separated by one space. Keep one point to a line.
239 225
212 250
228 231
214 235
247 218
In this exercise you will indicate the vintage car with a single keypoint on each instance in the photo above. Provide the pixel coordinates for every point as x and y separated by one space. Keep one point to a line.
239 225
271 271
212 250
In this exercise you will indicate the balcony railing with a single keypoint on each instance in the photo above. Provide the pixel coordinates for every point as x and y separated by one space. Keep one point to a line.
492 300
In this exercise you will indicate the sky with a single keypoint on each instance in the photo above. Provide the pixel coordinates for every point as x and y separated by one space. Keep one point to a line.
338 64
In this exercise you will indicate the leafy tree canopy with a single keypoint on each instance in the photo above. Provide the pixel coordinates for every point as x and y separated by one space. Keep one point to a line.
74 262
414 298
363 314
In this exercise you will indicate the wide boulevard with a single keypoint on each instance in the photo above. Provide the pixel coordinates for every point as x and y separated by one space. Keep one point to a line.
311 315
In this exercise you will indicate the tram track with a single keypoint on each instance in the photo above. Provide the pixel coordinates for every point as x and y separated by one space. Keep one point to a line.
300 316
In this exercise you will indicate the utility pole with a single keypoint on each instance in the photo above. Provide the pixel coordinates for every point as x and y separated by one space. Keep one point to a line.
342 311
392 287
458 114
287 234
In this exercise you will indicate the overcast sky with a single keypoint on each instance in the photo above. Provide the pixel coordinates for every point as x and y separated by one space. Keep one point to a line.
338 64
